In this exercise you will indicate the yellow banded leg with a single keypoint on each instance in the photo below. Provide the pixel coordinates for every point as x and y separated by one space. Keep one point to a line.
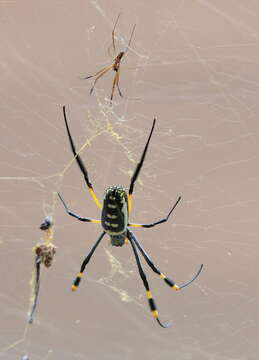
95 221
151 301
152 304
73 148
78 217
130 202
85 262
77 281
95 198
161 221
169 282
135 225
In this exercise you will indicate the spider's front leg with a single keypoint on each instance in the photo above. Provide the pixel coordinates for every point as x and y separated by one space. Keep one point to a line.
159 221
80 162
75 215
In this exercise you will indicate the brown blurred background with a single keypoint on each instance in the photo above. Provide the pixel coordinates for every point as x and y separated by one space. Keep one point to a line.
193 65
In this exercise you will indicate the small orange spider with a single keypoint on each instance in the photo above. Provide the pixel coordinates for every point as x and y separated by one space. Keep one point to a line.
115 66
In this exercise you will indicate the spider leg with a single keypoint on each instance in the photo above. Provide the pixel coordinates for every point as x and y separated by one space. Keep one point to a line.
119 90
138 168
113 31
151 301
168 281
159 221
85 262
117 83
101 73
77 216
123 96
113 86
131 36
109 51
98 72
80 162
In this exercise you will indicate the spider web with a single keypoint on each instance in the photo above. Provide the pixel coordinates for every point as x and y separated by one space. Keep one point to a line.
193 65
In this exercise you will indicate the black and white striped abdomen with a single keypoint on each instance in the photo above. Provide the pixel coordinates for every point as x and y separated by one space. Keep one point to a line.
115 210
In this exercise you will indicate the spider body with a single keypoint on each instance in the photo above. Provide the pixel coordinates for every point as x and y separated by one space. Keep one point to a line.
114 66
117 61
117 205
115 214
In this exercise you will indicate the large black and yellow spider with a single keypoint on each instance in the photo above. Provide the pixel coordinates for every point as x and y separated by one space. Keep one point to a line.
117 205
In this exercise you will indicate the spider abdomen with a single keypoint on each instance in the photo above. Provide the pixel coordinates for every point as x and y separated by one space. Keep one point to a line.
117 61
115 210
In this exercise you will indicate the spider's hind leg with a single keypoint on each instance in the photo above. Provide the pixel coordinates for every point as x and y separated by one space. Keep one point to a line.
167 280
151 301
